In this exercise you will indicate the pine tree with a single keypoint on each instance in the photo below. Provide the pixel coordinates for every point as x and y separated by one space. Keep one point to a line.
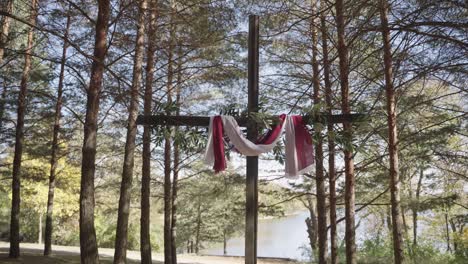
88 242
19 139
55 145
120 255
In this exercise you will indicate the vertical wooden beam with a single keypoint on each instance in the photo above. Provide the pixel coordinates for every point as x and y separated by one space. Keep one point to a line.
251 215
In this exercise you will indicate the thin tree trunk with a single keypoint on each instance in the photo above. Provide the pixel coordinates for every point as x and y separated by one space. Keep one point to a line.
454 230
198 228
319 169
174 202
55 147
311 223
393 140
447 232
39 236
330 137
19 139
6 21
167 154
121 240
175 172
224 243
145 240
3 102
5 30
167 200
350 233
88 243
415 227
168 239
415 210
388 215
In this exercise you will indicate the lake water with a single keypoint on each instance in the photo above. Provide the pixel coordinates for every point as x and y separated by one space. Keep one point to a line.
286 237
278 237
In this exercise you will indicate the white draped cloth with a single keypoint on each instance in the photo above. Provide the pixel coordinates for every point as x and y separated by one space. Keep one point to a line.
297 162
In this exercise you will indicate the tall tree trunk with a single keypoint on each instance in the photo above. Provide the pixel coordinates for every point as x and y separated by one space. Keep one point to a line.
174 202
167 159
350 233
145 241
393 140
121 240
175 171
167 153
19 139
167 200
6 21
319 169
88 243
330 137
55 146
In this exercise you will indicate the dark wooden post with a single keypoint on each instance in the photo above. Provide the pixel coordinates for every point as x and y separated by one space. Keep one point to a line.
251 215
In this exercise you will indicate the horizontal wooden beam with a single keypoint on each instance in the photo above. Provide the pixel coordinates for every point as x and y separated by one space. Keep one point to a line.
165 120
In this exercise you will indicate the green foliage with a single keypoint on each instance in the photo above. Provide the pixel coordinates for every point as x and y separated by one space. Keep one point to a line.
35 175
210 206
378 250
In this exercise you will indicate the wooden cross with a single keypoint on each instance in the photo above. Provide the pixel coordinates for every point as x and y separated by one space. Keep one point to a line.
251 216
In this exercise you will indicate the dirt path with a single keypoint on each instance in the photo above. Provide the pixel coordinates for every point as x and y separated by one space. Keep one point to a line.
32 254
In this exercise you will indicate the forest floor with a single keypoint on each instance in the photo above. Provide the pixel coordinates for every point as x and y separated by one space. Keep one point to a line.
32 254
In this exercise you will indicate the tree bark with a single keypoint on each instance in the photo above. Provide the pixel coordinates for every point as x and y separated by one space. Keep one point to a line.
6 21
319 169
393 140
330 137
55 146
167 153
19 138
121 240
167 200
350 233
88 243
174 203
145 240
175 172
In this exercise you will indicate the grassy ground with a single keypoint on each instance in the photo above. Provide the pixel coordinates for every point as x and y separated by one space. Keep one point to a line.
32 254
